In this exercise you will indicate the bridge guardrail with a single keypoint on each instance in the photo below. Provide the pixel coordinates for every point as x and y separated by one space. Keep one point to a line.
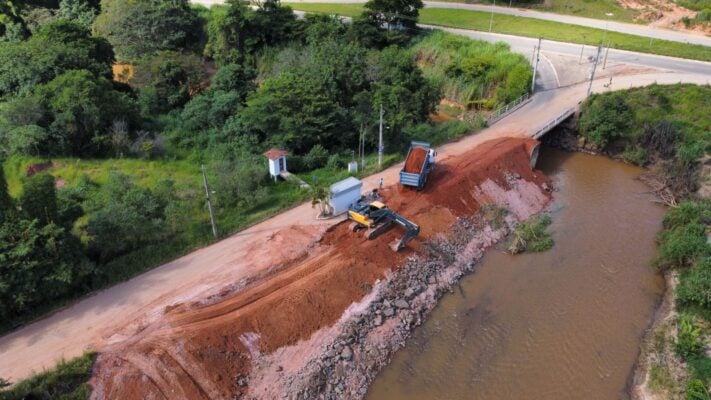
555 121
505 110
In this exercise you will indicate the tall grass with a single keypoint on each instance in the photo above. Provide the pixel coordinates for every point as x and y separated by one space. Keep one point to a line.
472 72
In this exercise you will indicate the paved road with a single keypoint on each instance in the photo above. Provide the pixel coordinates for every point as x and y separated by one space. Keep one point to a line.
525 46
115 313
621 27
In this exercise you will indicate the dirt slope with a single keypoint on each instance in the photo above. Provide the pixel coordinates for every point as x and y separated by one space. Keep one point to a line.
203 350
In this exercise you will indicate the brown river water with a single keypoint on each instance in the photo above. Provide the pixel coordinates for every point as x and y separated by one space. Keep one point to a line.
563 324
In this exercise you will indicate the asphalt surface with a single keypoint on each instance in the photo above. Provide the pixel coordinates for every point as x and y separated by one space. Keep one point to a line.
621 27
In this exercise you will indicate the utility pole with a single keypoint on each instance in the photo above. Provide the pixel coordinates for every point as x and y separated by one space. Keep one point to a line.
592 74
362 148
582 49
209 203
491 21
535 66
380 139
607 50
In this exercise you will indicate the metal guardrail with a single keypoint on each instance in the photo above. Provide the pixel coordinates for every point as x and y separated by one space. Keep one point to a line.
555 121
503 111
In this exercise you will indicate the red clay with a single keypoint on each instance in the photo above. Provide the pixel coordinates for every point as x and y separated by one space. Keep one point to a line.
198 351
414 161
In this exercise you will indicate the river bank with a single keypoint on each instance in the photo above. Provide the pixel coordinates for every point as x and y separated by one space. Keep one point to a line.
561 324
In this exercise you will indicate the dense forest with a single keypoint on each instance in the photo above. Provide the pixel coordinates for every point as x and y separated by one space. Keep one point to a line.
108 110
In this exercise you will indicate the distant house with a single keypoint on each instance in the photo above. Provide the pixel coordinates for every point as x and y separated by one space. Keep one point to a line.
277 162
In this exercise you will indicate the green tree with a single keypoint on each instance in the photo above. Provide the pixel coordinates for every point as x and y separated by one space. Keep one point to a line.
79 11
234 77
7 205
127 217
166 80
396 14
605 118
295 110
81 108
56 48
235 35
39 199
37 264
406 96
139 28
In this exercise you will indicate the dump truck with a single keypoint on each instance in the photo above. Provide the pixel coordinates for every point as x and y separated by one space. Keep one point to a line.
419 162
375 218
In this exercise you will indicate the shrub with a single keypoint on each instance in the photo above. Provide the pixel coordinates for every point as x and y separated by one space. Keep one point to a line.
39 199
605 118
688 342
681 246
635 155
316 157
697 390
67 381
686 213
532 235
695 285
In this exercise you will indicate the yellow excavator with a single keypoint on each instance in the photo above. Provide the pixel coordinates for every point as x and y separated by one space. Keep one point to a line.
375 217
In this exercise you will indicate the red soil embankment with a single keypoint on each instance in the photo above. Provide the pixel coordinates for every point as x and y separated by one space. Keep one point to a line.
414 161
200 351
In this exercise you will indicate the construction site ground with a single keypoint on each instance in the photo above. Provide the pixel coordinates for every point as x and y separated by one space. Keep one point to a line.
203 347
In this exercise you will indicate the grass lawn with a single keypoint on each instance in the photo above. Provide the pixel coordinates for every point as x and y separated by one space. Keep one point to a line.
475 20
579 8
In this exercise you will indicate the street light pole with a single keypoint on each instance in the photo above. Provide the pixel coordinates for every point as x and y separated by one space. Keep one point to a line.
491 20
592 74
380 139
607 23
209 202
535 66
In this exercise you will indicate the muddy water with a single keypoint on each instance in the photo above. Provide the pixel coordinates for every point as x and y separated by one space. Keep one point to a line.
564 324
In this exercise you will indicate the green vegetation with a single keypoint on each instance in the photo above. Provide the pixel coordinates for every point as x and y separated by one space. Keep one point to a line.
472 73
531 27
697 5
532 235
66 381
103 178
658 125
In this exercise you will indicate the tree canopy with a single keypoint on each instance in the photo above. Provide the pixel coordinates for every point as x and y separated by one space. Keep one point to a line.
139 28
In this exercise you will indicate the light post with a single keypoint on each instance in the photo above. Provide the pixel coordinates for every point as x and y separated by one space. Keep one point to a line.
607 23
491 20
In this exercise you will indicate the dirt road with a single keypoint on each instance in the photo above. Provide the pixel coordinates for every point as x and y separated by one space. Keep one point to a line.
110 316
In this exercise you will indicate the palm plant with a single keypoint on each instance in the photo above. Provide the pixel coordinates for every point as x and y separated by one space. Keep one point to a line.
319 196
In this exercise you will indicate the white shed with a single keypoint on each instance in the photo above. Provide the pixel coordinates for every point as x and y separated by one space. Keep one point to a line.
344 193
277 162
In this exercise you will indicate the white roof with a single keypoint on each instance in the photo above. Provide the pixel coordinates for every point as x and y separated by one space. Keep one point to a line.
346 184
